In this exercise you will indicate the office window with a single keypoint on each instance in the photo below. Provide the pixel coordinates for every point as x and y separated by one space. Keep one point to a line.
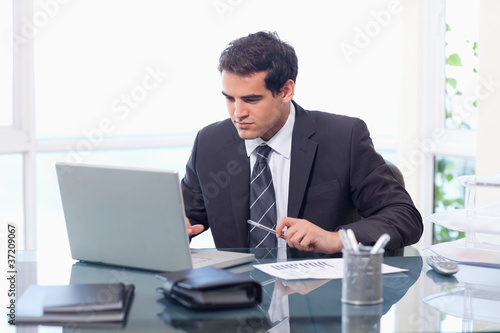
449 194
150 67
462 80
462 89
11 194
137 69
6 64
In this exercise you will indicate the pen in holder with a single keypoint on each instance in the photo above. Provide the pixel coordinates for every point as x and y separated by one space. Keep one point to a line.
362 279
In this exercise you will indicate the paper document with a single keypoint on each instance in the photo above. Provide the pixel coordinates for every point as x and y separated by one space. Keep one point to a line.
313 269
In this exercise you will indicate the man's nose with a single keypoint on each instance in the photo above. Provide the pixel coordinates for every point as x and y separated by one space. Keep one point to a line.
240 110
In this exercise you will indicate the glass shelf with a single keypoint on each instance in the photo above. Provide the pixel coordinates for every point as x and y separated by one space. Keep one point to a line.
478 224
473 215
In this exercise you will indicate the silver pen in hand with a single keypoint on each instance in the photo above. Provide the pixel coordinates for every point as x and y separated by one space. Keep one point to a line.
263 227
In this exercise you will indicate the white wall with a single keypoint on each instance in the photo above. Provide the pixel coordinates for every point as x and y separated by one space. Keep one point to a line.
488 135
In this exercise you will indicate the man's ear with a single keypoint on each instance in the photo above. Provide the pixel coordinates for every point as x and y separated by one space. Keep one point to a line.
288 91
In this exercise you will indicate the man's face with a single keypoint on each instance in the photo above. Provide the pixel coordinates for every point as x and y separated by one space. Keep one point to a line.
252 107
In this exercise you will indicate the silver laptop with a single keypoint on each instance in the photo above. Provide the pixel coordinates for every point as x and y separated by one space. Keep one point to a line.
131 217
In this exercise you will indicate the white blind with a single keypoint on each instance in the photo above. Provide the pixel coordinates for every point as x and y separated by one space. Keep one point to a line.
128 67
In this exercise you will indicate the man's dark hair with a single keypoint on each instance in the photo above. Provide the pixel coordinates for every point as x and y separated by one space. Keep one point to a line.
258 52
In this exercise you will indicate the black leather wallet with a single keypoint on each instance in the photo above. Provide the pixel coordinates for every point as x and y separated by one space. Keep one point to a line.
210 288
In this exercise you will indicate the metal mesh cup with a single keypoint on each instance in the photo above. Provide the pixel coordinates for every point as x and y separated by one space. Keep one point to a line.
362 279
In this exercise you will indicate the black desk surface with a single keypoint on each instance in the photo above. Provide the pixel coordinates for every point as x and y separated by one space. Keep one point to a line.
418 300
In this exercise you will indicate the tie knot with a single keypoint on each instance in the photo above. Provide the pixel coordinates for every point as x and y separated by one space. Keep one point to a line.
263 152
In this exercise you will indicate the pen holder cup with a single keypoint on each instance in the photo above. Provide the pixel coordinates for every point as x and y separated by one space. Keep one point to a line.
362 279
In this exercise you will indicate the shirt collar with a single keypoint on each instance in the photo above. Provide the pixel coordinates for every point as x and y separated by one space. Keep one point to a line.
281 142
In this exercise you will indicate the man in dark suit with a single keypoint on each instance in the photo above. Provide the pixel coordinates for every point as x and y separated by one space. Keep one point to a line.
325 171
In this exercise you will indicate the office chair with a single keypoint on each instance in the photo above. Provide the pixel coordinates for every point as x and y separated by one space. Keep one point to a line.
397 173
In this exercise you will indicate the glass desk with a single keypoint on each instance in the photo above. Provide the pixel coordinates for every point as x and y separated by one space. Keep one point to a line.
418 300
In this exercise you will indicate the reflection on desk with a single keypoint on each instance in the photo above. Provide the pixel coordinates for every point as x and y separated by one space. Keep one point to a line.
304 306
472 295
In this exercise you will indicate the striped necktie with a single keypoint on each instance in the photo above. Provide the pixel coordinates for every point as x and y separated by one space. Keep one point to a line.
262 201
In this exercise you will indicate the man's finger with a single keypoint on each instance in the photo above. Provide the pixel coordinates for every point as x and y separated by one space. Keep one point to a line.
195 229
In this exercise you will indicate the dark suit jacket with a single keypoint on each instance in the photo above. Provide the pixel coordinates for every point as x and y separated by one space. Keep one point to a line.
335 177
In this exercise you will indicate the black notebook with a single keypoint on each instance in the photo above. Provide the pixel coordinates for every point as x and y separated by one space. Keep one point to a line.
75 303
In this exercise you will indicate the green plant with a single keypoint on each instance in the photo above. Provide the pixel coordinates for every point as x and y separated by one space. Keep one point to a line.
452 88
448 193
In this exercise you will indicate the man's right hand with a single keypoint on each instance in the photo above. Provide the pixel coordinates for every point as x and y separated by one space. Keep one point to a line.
306 236
193 230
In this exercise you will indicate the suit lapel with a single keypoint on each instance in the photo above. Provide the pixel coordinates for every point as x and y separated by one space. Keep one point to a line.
239 185
302 158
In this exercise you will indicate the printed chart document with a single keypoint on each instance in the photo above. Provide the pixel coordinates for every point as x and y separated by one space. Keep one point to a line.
313 269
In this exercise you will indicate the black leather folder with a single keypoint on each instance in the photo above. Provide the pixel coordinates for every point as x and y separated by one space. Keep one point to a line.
210 288
75 304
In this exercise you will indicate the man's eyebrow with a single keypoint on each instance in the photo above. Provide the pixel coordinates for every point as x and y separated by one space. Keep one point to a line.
252 96
243 97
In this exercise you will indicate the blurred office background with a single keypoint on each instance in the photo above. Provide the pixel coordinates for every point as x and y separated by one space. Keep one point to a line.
129 83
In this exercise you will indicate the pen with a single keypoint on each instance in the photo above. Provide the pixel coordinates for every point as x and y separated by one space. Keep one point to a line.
352 240
264 228
345 240
381 243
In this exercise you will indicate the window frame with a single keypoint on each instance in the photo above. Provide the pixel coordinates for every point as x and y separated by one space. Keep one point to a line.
437 140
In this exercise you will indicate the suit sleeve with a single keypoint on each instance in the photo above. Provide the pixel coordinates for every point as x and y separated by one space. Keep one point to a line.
192 193
384 205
